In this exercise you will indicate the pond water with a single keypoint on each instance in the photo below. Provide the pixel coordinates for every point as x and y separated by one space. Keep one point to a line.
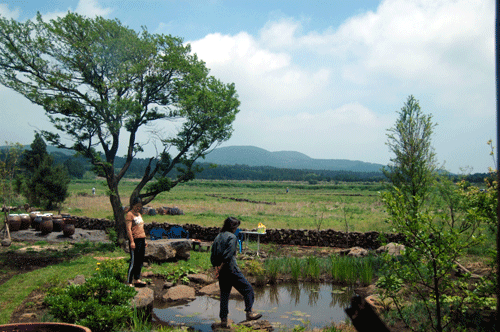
305 304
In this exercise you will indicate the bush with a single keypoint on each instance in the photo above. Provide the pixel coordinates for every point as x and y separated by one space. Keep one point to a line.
101 304
112 268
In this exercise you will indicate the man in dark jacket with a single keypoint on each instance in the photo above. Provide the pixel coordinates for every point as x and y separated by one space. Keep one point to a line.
223 258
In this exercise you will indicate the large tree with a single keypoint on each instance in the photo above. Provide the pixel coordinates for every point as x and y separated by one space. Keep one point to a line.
100 82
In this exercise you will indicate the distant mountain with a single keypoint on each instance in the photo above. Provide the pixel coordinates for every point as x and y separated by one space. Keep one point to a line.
50 149
254 156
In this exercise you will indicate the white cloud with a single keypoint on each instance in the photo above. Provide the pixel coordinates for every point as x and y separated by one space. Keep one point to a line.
281 34
7 13
265 80
88 8
426 44
92 8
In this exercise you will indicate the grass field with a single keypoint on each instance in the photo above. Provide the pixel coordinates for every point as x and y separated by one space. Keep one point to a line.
340 206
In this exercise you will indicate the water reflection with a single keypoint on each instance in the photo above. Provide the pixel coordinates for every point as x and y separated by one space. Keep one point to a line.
311 304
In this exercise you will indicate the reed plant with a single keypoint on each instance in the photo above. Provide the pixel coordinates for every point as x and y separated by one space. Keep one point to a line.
313 268
349 270
295 264
366 271
273 267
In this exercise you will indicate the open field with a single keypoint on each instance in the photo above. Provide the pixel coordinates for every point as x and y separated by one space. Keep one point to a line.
341 206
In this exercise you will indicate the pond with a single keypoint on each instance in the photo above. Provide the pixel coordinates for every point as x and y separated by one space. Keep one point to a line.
284 305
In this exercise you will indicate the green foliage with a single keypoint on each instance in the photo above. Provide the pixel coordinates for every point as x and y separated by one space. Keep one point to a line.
101 304
9 168
43 183
112 268
272 267
313 268
343 269
412 169
254 267
75 168
436 236
177 273
295 264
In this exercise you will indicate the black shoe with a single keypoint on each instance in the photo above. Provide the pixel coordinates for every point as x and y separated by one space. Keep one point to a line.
253 315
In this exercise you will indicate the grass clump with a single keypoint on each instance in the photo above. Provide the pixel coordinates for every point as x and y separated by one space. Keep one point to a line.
349 270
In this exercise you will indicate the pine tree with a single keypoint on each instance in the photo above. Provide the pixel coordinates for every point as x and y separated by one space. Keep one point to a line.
43 184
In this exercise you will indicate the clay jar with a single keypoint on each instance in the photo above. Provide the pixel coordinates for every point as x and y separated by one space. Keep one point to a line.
67 219
68 230
58 223
14 221
33 215
36 222
25 221
46 226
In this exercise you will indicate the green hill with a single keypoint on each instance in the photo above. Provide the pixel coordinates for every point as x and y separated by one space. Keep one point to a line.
253 156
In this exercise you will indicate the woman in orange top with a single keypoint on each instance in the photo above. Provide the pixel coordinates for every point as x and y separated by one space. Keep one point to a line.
137 242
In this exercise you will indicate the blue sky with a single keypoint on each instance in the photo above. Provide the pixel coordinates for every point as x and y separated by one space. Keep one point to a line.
324 78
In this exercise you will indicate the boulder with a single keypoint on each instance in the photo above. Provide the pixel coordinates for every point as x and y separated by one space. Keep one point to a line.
200 278
365 291
143 301
29 317
259 325
182 247
178 293
358 252
393 249
354 252
168 285
78 280
375 302
167 250
217 326
214 290
6 242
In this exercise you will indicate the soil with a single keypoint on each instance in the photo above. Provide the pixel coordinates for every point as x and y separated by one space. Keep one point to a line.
13 262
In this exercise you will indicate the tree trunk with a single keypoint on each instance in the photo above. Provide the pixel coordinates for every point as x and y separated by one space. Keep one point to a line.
119 215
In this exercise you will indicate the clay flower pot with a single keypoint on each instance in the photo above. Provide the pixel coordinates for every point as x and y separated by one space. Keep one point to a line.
43 327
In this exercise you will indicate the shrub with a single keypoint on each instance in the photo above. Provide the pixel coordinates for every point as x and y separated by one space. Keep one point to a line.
112 268
101 304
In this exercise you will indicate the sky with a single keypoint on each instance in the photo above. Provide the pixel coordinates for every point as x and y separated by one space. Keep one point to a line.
325 78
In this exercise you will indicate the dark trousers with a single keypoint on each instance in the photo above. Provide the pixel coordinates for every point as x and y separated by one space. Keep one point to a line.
229 279
136 260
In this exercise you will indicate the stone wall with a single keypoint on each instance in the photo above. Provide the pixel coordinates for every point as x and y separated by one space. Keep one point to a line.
300 237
